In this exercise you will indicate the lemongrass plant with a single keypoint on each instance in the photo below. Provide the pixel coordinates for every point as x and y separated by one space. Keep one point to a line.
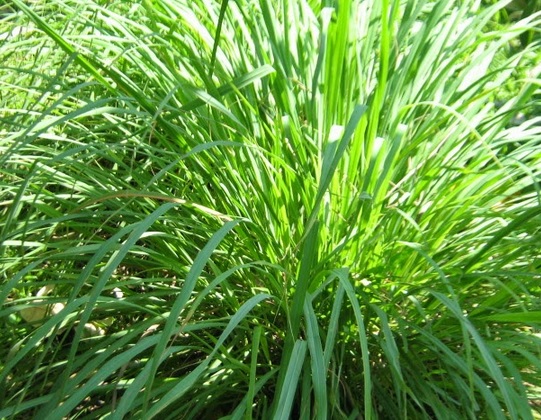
276 209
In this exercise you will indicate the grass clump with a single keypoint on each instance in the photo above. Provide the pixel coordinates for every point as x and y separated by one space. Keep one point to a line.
268 210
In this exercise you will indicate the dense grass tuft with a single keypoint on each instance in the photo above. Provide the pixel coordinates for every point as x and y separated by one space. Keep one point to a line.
275 209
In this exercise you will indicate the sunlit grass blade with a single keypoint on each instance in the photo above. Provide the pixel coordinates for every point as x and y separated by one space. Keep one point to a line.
363 341
290 385
289 208
317 361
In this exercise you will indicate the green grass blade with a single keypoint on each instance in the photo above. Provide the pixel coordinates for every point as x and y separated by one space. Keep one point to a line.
317 361
291 380
187 382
